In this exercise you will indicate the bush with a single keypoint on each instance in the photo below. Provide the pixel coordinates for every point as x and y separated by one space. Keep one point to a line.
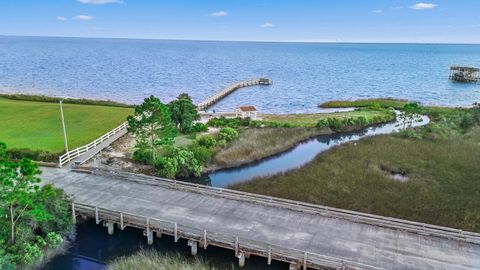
206 141
30 253
323 123
229 122
33 155
178 163
228 134
199 127
142 156
53 240
201 153
362 121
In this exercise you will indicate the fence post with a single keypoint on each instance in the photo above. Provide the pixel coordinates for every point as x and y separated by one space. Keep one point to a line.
74 217
97 220
175 232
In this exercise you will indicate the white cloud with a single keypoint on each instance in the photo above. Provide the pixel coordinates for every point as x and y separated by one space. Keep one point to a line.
267 25
99 2
60 18
422 6
377 11
219 14
83 17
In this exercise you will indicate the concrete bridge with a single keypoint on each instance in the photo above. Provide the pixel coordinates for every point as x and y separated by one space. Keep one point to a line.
303 235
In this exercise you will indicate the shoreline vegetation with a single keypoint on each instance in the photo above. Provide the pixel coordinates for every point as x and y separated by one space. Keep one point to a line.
80 101
154 260
35 218
256 144
427 174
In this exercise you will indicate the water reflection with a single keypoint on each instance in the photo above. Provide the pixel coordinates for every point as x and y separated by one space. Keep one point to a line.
296 157
93 249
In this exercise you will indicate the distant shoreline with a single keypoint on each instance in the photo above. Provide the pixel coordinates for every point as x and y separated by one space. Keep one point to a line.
252 41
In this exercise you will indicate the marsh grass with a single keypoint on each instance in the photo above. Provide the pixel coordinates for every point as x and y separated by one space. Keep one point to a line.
153 260
443 186
311 120
258 143
372 102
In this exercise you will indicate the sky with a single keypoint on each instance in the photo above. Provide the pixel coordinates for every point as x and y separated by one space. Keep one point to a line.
435 21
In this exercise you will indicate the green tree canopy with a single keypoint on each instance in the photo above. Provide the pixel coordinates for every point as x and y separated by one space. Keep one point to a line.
19 191
184 112
152 125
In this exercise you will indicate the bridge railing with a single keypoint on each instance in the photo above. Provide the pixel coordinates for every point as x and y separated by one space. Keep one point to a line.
354 216
75 153
204 238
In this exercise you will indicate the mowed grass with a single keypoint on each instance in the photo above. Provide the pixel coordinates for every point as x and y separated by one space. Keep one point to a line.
443 186
37 125
311 120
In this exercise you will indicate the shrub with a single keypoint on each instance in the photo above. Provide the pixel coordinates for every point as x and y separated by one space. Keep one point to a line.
228 134
33 155
30 253
335 123
178 163
199 127
201 153
361 121
229 122
206 141
323 123
142 156
53 240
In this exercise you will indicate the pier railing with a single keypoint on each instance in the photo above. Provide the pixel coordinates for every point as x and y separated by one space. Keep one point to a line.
230 89
77 152
204 238
354 216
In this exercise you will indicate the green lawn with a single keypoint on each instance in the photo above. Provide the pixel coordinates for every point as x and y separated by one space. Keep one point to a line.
310 120
37 125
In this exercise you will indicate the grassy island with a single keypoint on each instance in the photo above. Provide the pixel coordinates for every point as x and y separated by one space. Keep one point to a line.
35 125
428 174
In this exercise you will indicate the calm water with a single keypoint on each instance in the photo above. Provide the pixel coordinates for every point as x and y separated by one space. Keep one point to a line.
298 156
303 74
94 248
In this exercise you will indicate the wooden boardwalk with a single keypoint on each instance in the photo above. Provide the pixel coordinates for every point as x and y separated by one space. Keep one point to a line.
230 89
301 234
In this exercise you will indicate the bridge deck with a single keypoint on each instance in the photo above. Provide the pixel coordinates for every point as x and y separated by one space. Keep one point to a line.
355 243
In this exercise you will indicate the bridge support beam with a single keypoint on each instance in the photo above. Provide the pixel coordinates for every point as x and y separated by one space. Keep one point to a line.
241 259
111 228
159 235
194 246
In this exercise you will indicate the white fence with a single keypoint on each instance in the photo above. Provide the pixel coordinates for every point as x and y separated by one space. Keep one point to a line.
358 217
77 152
204 238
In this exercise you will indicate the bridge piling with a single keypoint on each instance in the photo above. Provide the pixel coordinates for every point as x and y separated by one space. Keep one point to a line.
149 233
193 246
241 259
111 228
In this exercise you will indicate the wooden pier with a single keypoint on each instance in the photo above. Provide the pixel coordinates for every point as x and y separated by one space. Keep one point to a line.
301 234
465 74
230 89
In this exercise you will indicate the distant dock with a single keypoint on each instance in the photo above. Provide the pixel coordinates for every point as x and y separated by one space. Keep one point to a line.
465 74
230 89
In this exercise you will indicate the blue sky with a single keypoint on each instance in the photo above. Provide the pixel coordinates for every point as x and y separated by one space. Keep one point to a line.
437 21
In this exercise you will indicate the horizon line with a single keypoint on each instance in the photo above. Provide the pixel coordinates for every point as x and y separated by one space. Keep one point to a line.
256 41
